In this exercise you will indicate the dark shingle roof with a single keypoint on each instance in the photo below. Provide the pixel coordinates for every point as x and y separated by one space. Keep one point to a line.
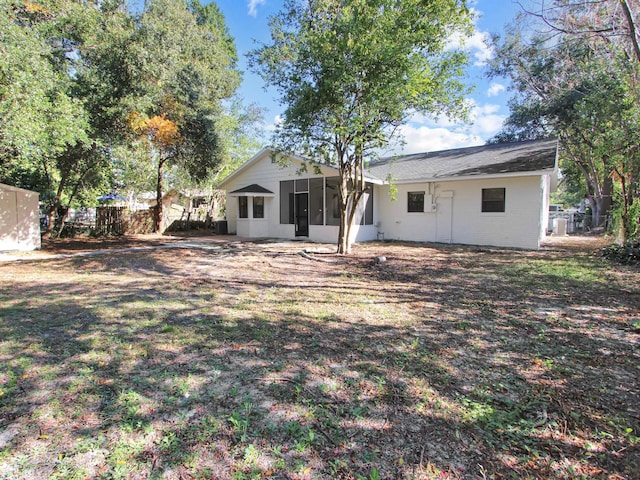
253 188
504 158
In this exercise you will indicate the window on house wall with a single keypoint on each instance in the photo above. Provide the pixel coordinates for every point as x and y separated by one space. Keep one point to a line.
367 219
324 205
286 202
316 201
415 202
302 185
243 207
332 201
493 199
258 207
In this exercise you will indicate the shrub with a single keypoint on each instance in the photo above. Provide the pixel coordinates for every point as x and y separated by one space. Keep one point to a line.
628 253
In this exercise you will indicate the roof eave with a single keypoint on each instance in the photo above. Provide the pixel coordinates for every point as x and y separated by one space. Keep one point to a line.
250 194
532 173
298 158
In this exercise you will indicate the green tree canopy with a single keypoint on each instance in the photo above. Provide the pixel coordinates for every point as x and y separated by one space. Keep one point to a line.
584 90
89 88
39 116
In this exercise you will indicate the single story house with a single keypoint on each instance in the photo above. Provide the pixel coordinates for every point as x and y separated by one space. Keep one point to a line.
19 219
488 195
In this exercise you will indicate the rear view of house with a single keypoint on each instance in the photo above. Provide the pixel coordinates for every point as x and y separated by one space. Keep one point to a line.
488 195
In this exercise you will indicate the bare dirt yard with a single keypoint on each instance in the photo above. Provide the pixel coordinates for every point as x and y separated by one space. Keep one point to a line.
216 359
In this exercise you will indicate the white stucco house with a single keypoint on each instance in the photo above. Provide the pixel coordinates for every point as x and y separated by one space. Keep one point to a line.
19 219
488 195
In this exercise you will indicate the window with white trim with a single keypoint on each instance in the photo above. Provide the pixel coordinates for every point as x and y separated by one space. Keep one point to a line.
243 207
258 207
415 202
493 200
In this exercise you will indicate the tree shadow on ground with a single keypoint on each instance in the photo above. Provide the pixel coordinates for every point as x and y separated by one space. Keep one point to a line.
248 372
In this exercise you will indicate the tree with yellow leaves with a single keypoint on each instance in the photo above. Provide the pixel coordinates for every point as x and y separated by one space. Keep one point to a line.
87 84
163 136
185 66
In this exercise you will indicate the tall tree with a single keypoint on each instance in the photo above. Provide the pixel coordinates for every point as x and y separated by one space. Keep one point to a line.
39 116
349 72
48 140
583 89
81 80
185 66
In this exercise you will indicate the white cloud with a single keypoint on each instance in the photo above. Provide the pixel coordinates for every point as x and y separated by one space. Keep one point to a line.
495 89
277 121
253 6
485 120
426 134
487 126
479 110
478 43
419 139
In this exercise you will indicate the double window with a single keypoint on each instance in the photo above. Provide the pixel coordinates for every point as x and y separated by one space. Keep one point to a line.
258 207
493 200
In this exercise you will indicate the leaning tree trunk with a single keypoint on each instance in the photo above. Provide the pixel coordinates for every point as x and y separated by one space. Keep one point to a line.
65 210
51 216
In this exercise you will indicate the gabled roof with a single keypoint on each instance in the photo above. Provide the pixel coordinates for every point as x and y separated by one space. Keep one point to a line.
259 156
252 190
296 158
515 159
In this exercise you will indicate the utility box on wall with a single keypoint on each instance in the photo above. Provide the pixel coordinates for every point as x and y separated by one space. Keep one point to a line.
19 219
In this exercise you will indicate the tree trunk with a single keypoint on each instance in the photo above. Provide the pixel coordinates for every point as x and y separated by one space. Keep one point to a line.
601 203
63 218
51 216
57 204
629 215
343 236
633 31
351 192
158 227
352 188
65 210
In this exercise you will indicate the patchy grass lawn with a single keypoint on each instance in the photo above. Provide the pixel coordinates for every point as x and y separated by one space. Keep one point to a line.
250 361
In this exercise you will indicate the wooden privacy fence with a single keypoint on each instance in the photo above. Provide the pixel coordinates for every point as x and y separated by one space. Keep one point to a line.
140 222
119 220
111 220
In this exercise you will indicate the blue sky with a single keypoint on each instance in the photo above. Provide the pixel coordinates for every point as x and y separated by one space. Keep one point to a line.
248 24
